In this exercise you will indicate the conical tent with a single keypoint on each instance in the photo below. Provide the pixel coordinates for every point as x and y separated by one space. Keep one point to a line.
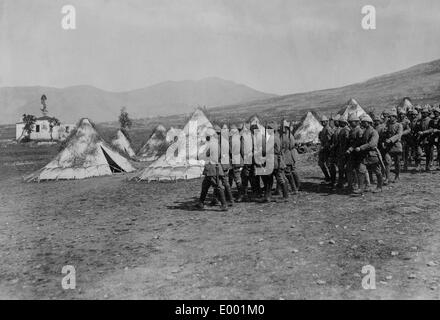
86 155
121 143
352 106
156 145
308 131
181 160
405 105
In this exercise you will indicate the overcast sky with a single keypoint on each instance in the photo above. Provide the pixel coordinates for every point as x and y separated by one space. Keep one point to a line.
282 46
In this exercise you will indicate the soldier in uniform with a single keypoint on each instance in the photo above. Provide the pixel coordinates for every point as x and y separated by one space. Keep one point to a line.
236 166
341 146
287 145
225 168
411 143
333 158
212 172
423 130
435 139
325 137
393 146
278 170
406 137
368 154
354 141
248 171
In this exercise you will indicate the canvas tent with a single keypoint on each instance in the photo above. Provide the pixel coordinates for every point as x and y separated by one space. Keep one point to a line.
352 106
155 146
405 105
181 160
308 131
85 155
122 144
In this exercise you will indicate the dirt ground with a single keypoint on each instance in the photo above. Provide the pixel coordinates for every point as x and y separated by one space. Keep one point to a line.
131 240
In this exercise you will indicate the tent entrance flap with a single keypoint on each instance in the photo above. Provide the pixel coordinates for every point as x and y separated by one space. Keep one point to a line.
113 165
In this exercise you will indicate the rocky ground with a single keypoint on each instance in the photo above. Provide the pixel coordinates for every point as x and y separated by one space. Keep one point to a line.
145 240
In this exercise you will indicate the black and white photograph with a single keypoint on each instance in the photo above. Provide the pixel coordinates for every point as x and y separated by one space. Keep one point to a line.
207 152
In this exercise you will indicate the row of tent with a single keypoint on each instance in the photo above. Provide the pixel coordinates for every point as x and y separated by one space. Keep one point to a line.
86 154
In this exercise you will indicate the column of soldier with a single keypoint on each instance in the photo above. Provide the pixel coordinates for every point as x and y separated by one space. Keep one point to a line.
355 152
222 176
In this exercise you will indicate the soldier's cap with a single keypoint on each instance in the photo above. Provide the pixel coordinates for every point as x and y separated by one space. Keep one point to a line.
240 126
324 118
392 112
353 117
254 127
376 117
343 119
286 124
436 109
225 126
366 118
418 107
272 125
336 117
247 126
233 127
217 128
412 111
425 109
385 113
210 132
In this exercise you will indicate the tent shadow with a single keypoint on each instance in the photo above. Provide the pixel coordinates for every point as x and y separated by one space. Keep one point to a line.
315 187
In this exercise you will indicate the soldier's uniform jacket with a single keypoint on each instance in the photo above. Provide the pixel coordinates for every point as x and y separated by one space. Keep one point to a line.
212 169
424 125
236 149
342 141
278 153
435 125
334 142
354 141
370 139
325 137
394 134
406 130
287 146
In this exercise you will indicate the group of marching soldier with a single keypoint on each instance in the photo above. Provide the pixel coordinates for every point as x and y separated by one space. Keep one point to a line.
355 152
222 176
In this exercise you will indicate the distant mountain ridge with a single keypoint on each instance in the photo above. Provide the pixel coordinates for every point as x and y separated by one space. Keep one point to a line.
171 97
420 82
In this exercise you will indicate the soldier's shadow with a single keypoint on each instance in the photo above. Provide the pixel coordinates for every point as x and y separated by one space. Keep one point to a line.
319 188
191 205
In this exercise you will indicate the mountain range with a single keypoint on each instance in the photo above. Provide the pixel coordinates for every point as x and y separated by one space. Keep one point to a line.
166 98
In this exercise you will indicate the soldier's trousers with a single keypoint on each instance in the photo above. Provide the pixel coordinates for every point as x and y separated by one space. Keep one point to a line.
219 189
406 154
342 170
235 176
352 176
365 169
248 176
268 180
391 157
323 162
289 172
333 165
427 149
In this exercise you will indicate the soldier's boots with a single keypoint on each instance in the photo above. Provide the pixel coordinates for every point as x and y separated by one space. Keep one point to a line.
222 198
361 188
285 190
379 184
292 184
297 180
228 194
240 195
